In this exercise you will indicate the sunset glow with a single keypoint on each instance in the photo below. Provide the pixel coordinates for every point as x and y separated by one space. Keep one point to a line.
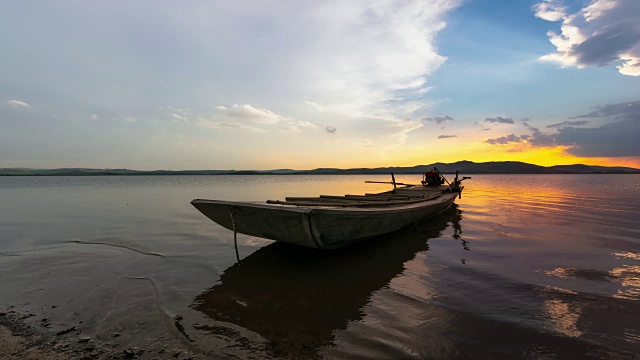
269 85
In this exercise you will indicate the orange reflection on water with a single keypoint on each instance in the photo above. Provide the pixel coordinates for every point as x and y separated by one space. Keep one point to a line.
629 277
562 317
628 255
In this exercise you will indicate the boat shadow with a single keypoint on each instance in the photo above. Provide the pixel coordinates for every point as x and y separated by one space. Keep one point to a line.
296 297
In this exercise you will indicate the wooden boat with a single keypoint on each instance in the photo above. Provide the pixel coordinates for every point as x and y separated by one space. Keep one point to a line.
330 222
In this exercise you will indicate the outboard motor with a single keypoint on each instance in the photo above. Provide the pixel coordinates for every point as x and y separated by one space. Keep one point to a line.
432 178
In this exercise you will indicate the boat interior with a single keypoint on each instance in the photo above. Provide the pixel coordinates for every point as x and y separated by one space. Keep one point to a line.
398 196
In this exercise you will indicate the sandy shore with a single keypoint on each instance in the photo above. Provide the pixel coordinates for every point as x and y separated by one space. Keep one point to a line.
19 340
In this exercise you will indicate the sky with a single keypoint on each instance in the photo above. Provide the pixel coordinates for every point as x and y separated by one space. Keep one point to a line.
206 84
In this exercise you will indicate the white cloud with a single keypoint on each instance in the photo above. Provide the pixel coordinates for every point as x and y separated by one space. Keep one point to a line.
550 10
604 32
314 105
179 117
218 125
18 103
346 59
247 111
94 117
260 120
365 52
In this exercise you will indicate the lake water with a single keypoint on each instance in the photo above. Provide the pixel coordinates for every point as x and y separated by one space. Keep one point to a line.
523 266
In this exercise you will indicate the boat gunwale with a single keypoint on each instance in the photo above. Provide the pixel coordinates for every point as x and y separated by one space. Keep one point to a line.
387 208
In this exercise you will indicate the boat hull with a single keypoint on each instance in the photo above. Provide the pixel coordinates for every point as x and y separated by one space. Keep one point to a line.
318 227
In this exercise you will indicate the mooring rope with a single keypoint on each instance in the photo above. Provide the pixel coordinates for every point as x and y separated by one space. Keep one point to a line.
235 233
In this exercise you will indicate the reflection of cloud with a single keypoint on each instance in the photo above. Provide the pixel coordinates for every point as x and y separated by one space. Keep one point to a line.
561 317
499 120
628 277
604 32
629 255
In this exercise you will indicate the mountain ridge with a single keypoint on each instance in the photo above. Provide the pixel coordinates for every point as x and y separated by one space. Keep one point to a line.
464 166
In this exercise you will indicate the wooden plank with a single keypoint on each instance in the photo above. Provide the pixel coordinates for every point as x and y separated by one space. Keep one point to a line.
376 198
332 197
356 197
404 195
315 199
382 195
348 198
389 182
353 203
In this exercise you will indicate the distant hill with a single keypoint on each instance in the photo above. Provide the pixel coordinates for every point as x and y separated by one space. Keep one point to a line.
465 167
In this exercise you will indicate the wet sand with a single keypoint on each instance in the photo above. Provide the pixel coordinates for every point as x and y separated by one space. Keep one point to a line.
20 340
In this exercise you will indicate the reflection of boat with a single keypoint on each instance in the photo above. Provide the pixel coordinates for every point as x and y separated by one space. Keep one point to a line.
328 222
295 297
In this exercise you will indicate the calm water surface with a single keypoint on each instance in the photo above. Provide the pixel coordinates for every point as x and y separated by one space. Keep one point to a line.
523 266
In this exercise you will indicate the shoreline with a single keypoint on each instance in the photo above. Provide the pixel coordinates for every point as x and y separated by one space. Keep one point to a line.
21 341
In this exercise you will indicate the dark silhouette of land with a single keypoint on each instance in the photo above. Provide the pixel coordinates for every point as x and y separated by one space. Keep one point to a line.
466 167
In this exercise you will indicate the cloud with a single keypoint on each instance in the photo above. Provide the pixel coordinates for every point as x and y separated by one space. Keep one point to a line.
296 126
627 108
94 117
18 103
364 53
616 138
179 117
550 10
512 138
604 32
499 120
568 123
331 129
250 118
247 111
344 57
221 125
438 119
447 136
538 138
314 105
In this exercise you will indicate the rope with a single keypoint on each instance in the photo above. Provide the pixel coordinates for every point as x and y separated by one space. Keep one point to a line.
235 232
